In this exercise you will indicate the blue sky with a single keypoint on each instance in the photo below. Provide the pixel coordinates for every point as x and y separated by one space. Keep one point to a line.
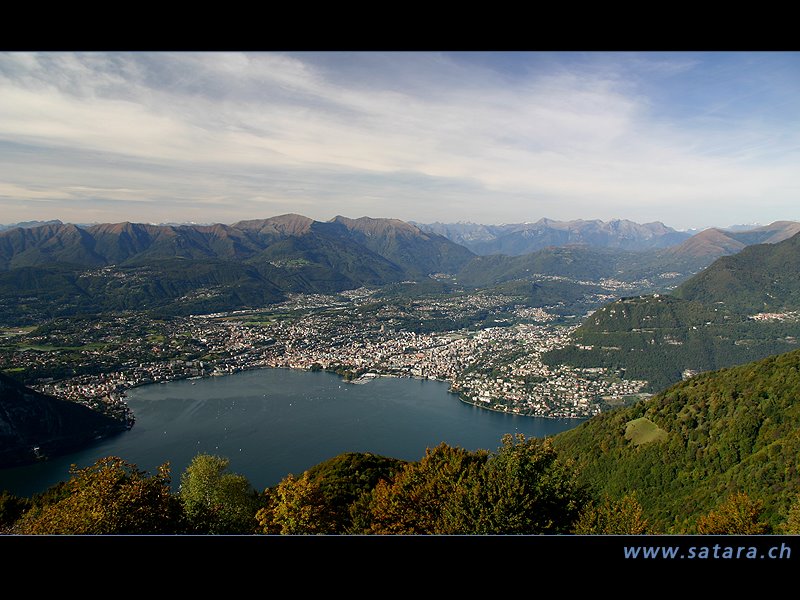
692 139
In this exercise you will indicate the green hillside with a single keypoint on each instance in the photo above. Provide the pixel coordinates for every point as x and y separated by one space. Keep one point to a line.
171 286
35 425
578 263
60 269
762 278
687 449
711 321
680 462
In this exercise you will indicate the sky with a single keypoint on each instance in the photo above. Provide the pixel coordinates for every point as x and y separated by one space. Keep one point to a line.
691 139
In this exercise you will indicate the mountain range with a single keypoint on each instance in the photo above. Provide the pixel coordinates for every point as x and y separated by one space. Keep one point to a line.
741 308
418 249
64 269
670 265
524 238
389 246
54 268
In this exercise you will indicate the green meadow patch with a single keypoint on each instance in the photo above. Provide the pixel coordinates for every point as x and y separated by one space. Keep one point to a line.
643 431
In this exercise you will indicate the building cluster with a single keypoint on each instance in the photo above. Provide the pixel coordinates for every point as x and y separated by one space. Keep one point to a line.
788 316
357 334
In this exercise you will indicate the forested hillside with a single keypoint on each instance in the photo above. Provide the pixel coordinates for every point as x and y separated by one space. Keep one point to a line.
715 454
61 270
741 308
685 450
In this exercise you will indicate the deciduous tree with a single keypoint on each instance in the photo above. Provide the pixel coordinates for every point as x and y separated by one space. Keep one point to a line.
525 489
109 497
299 507
426 496
612 517
739 514
216 501
792 525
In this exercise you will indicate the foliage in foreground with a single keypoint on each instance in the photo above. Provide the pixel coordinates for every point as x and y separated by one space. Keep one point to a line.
612 517
522 488
739 514
216 501
111 496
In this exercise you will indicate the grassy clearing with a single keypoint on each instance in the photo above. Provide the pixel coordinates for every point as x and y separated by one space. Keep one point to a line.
643 431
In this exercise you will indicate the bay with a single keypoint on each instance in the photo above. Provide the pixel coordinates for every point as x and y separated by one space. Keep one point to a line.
272 422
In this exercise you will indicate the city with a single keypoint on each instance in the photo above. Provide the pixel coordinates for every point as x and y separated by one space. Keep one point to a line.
490 354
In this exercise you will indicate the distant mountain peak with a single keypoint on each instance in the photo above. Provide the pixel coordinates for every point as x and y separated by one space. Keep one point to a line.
372 226
522 238
30 224
288 224
716 242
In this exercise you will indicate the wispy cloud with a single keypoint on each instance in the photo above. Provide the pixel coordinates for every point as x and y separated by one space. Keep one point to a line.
423 136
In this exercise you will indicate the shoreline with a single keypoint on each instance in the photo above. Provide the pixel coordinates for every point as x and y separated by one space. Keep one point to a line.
361 380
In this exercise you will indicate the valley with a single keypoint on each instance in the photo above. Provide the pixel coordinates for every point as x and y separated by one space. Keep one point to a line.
508 333
741 308
569 332
505 294
487 346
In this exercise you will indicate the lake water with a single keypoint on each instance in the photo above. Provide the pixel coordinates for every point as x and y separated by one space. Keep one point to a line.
271 422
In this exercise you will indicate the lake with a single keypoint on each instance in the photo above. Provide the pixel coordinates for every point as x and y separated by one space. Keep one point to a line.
272 422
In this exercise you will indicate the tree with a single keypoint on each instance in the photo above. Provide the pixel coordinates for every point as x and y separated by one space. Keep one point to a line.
792 525
216 501
612 517
521 489
109 497
426 497
739 514
265 516
11 508
297 506
346 482
524 489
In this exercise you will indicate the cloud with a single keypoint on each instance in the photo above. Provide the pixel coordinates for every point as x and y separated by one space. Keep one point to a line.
389 134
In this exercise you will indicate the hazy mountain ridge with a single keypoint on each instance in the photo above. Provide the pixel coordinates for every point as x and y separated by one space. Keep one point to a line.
711 321
27 224
523 238
716 242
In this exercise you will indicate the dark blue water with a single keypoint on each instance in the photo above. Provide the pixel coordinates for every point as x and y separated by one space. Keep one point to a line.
272 422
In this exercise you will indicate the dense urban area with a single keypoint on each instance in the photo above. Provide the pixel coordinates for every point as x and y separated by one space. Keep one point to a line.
486 347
